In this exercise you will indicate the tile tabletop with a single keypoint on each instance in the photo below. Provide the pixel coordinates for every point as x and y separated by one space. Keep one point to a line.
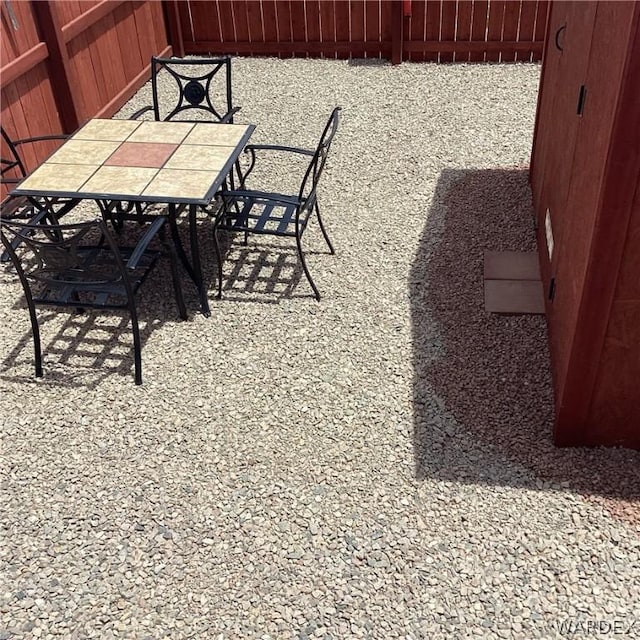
140 160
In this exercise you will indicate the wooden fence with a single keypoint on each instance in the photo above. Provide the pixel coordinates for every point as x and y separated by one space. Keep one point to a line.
418 30
65 61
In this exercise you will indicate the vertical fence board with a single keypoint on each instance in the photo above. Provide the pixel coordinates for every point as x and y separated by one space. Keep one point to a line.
298 24
372 24
254 21
240 20
447 27
479 28
227 27
270 19
526 27
416 28
542 11
357 27
432 33
126 34
463 27
510 29
494 27
284 23
328 22
342 10
312 16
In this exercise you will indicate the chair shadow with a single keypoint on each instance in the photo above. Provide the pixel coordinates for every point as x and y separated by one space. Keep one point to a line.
89 347
483 402
264 270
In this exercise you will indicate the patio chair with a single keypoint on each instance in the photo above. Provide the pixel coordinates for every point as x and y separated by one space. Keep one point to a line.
13 169
278 214
80 266
203 89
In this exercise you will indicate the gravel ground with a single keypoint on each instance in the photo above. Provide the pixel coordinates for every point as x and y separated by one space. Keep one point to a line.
376 465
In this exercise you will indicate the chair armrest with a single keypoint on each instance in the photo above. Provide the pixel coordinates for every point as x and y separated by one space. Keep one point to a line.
59 136
262 195
278 147
229 116
139 112
141 247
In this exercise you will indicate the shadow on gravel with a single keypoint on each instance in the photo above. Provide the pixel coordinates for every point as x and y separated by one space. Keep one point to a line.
483 400
81 350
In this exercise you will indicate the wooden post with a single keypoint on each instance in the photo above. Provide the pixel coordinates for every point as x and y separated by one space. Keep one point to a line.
174 27
50 32
397 31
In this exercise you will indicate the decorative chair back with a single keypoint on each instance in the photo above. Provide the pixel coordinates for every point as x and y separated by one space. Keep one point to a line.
12 168
203 89
52 255
312 175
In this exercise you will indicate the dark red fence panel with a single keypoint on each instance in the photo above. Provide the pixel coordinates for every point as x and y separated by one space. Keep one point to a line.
65 61
420 30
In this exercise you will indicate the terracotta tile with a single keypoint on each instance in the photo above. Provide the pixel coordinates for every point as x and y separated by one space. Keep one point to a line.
103 129
170 132
511 265
122 181
141 154
514 296
199 157
226 135
177 183
58 177
93 152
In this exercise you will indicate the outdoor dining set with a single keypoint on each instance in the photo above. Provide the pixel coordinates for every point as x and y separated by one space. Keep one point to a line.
190 159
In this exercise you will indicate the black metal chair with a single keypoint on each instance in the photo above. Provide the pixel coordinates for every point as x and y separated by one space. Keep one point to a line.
203 88
13 169
278 214
80 265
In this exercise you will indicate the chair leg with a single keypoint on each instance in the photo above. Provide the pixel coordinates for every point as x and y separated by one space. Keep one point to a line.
324 231
216 248
137 346
35 329
305 268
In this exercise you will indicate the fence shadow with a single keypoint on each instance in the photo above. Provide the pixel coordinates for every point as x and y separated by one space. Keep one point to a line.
483 404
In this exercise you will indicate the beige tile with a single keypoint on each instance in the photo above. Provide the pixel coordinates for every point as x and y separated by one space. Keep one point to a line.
58 177
174 132
122 181
103 129
93 152
199 157
177 183
216 134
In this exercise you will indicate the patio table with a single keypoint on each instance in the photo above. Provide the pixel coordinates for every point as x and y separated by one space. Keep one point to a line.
178 164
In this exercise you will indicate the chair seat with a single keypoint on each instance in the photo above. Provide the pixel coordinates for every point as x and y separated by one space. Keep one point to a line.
96 281
270 213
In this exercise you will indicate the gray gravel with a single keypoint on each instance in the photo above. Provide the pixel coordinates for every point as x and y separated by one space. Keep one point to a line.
377 465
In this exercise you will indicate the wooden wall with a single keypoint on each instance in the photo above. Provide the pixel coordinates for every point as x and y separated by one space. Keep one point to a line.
418 30
585 174
66 61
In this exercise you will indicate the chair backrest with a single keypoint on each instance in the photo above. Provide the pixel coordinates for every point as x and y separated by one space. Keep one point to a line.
202 87
312 175
59 256
9 160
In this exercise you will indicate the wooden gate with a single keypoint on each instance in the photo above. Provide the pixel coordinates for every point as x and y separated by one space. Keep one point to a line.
418 30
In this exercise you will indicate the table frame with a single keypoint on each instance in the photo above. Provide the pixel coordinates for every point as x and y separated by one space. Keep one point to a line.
108 201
